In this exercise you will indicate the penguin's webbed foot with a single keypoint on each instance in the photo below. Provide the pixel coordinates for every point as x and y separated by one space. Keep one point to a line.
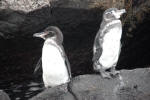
64 87
106 75
114 73
109 74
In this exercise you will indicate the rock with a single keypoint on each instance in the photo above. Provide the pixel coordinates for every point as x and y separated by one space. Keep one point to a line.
4 96
54 94
25 6
70 14
132 85
31 5
10 22
37 14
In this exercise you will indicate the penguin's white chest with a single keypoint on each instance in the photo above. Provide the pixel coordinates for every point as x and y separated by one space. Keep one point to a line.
111 47
54 67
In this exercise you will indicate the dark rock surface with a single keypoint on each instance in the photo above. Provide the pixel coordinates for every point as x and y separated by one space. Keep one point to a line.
10 22
31 5
23 18
54 94
132 85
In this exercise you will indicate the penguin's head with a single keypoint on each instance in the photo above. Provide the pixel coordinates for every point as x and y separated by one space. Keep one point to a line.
51 32
112 14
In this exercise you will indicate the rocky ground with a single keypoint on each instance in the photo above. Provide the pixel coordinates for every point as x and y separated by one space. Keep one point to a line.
132 85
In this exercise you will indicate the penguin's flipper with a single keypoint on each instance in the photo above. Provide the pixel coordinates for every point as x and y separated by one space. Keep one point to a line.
38 66
66 60
68 66
98 49
97 54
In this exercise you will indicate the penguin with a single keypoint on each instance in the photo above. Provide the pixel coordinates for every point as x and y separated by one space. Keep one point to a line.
55 64
107 43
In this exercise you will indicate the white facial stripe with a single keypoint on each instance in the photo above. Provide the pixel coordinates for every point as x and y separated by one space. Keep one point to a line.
117 14
111 23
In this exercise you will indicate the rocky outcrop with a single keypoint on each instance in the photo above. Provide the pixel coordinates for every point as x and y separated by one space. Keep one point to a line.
28 16
132 85
34 15
23 5
10 22
30 5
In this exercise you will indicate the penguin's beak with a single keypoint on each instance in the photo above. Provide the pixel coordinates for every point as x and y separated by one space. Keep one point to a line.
122 11
118 13
41 34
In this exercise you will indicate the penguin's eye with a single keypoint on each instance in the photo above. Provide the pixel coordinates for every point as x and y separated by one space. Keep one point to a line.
52 33
111 12
108 13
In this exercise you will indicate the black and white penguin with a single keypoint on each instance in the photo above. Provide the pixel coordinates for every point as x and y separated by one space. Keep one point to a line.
107 45
55 64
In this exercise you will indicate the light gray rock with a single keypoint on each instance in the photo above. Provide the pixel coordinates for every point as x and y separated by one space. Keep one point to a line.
23 5
54 94
132 85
